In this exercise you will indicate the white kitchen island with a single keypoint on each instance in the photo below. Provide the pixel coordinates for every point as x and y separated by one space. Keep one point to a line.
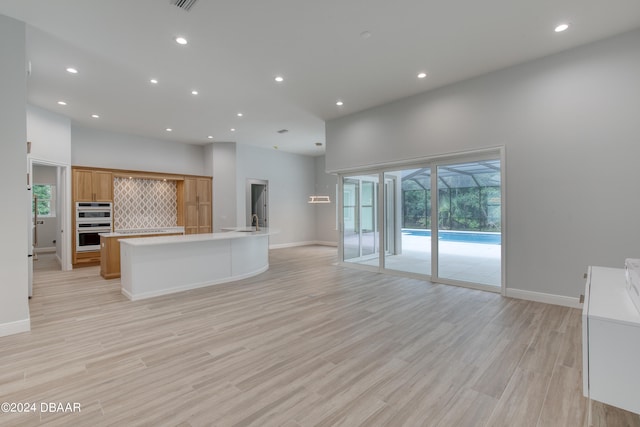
163 265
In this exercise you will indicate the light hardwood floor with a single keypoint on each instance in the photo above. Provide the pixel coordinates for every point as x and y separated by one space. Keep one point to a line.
307 343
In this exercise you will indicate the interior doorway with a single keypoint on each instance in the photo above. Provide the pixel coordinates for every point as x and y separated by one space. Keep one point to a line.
48 198
257 202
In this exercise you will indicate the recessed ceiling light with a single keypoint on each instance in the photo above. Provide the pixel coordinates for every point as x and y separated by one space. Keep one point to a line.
62 103
240 114
562 27
210 137
422 75
168 129
72 70
95 116
233 129
194 92
339 103
279 79
181 40
154 81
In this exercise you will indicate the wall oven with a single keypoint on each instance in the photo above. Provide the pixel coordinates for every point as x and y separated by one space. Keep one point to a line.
92 218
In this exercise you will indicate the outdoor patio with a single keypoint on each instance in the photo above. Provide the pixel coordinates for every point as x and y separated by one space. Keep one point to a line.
463 261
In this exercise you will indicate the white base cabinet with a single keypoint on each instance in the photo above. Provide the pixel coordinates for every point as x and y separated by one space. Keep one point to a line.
610 341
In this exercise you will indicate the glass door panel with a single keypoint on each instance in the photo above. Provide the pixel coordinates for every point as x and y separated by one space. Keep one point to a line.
360 231
469 222
407 220
351 219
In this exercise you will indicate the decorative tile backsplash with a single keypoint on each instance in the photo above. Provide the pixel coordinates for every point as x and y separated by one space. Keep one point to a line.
144 203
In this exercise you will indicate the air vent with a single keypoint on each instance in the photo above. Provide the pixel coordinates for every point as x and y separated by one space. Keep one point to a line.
183 4
283 131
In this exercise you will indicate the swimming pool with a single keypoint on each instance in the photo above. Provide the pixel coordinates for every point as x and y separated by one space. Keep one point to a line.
487 238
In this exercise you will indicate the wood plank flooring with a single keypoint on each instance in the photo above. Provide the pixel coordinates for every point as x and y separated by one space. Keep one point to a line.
307 343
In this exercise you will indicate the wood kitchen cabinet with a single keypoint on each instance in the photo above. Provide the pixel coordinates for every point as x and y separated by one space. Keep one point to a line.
92 185
82 259
196 205
88 186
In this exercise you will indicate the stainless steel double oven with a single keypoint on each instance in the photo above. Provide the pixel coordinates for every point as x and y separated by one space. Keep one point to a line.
92 218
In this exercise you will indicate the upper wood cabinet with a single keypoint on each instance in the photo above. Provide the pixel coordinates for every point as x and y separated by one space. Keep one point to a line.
197 205
92 186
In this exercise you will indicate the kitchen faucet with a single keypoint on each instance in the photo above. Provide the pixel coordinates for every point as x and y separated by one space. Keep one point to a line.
256 217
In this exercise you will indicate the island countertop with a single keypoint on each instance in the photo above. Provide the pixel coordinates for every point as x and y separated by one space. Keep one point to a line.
239 232
144 231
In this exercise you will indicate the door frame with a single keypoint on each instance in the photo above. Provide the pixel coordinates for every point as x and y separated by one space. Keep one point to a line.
64 201
249 201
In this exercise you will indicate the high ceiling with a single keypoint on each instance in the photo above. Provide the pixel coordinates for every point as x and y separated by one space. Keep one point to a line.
362 52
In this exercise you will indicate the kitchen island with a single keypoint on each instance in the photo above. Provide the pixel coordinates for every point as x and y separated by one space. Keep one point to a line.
110 246
155 266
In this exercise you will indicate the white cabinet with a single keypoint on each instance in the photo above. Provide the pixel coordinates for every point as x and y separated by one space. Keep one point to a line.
610 341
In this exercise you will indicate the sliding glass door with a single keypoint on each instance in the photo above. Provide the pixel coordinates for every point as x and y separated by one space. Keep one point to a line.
407 220
360 237
469 238
441 219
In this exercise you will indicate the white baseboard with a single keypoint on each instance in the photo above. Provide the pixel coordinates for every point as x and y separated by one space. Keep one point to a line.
545 298
17 327
306 243
323 243
44 250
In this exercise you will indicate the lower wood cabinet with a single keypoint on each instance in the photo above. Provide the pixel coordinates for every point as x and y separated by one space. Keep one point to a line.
85 259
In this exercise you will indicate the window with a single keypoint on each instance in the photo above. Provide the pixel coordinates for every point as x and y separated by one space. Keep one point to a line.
44 202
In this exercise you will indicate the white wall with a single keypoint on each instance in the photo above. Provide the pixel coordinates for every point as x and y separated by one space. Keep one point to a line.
325 214
50 135
571 131
222 157
98 148
48 230
14 308
291 181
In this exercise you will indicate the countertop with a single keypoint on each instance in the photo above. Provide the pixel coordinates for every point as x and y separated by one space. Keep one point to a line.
237 233
144 231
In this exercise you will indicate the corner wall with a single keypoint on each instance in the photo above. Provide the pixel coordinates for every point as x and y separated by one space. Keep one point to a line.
291 181
14 306
571 131
222 158
326 218
50 135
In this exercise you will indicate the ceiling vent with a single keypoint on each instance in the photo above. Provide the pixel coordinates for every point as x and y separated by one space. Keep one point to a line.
183 4
283 131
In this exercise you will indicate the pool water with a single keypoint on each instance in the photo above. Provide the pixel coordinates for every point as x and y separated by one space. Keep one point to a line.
487 238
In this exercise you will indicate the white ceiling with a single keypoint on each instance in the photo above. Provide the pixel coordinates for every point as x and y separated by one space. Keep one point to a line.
237 47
